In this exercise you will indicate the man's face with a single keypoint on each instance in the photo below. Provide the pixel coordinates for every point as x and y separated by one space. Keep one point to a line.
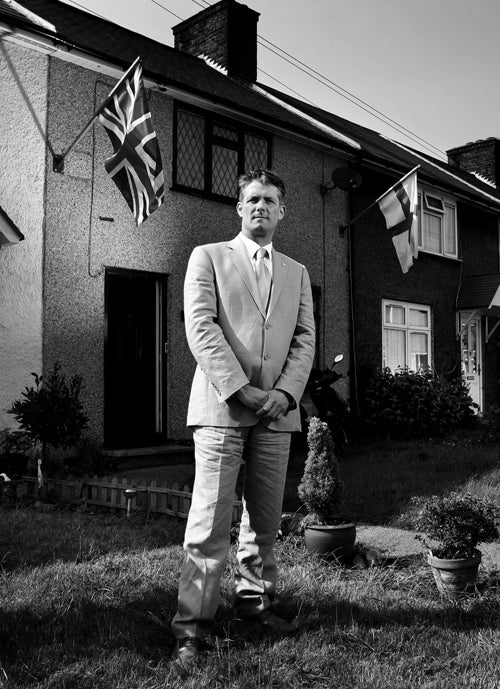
260 210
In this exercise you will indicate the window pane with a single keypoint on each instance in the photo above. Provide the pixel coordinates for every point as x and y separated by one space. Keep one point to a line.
419 317
225 132
431 232
450 240
256 152
224 171
394 349
419 351
190 150
394 314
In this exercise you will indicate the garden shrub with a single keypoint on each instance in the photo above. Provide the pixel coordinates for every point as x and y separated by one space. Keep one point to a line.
50 412
321 488
404 404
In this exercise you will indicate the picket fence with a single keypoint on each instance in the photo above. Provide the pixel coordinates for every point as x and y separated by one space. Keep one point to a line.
117 494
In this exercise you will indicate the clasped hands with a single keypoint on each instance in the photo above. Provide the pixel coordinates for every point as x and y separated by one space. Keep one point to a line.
269 405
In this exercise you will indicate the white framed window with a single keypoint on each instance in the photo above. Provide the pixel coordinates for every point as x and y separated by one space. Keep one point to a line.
406 335
437 226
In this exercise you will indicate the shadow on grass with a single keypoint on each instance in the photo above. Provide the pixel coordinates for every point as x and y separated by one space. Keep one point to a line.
84 630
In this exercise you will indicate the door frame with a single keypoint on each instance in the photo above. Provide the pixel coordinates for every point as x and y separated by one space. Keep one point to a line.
464 319
161 388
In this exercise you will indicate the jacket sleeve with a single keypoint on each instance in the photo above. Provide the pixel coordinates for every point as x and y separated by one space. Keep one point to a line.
297 368
205 338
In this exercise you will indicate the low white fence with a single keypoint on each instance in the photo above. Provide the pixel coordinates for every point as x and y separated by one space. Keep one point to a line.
116 493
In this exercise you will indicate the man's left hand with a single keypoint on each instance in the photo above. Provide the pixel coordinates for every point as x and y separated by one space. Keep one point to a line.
275 406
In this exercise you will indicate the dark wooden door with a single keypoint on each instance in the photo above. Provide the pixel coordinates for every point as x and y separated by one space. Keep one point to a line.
133 409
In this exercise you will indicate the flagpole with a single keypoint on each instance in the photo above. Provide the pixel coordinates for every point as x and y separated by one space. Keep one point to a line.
343 228
59 158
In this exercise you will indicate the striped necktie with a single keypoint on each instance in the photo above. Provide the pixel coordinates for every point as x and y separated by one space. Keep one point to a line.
263 275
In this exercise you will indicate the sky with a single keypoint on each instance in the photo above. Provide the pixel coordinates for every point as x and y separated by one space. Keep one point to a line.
431 66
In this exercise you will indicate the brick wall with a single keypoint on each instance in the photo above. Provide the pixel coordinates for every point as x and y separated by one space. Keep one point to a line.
225 32
482 157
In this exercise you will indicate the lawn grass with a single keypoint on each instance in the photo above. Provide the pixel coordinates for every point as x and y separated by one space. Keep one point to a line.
86 598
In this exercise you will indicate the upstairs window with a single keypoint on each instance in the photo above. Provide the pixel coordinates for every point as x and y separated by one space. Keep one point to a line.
210 152
406 335
437 228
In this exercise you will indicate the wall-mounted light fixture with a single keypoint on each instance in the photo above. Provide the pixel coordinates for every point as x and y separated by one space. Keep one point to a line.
345 178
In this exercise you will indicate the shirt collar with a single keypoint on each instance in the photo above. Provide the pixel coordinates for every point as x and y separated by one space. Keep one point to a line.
252 246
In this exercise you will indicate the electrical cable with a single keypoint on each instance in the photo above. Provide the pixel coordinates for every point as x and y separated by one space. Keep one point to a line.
339 90
317 76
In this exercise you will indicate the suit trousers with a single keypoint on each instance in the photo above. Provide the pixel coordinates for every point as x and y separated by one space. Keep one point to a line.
219 453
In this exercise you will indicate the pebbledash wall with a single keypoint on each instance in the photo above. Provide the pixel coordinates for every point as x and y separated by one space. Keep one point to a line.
23 115
79 243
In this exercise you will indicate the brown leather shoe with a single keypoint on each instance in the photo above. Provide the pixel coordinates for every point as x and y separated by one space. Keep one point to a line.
272 624
188 650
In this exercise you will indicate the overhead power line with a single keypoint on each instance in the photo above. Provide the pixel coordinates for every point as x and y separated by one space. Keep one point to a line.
317 76
339 90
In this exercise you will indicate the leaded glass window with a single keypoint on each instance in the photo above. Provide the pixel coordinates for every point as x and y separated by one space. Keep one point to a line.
210 152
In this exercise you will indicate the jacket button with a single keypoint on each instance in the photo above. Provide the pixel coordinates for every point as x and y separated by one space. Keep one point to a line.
266 357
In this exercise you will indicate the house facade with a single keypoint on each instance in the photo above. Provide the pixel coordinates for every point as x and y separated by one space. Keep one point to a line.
105 297
89 289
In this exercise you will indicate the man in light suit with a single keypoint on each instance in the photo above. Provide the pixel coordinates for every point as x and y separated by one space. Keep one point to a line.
250 326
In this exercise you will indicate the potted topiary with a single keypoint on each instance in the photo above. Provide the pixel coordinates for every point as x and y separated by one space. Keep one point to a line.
326 531
457 523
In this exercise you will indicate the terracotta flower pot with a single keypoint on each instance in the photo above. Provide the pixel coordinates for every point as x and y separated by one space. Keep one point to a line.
455 577
331 542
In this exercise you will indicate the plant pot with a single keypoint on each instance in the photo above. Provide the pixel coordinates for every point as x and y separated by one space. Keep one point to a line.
455 577
332 541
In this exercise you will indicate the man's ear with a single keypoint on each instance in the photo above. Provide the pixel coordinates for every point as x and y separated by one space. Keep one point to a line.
282 212
239 209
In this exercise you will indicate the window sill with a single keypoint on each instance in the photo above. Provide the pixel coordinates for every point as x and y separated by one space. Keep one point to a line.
204 194
433 253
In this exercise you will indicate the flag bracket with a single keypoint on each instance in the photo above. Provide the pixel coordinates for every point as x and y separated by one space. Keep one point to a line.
58 159
58 162
343 228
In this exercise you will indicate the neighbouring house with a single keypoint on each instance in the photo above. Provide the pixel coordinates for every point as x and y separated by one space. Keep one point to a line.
89 289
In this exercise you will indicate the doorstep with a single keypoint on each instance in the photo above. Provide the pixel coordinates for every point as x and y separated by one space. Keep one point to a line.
157 455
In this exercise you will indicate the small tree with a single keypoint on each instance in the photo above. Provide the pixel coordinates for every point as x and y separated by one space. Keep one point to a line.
321 489
51 411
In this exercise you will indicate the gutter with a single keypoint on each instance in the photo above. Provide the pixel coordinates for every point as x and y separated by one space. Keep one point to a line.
53 46
325 129
458 179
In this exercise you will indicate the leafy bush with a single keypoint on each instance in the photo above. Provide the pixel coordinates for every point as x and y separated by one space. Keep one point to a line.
51 412
14 452
321 489
405 404
458 522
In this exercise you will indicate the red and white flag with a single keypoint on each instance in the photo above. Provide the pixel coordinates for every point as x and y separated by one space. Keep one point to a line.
399 206
136 166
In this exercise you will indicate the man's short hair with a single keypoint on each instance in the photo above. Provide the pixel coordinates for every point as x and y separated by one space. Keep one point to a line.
264 177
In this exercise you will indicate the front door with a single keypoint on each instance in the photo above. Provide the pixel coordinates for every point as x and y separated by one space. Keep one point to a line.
134 380
470 345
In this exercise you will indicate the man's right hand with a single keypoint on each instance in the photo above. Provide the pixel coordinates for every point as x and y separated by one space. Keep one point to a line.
252 397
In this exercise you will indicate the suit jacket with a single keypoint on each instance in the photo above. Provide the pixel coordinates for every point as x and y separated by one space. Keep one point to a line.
234 342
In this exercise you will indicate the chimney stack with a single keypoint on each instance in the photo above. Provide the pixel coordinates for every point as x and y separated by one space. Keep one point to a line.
481 157
225 33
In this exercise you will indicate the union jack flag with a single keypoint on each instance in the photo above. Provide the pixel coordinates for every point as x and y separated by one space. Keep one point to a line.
135 166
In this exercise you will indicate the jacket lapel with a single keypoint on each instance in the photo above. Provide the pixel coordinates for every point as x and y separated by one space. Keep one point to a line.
238 255
280 270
